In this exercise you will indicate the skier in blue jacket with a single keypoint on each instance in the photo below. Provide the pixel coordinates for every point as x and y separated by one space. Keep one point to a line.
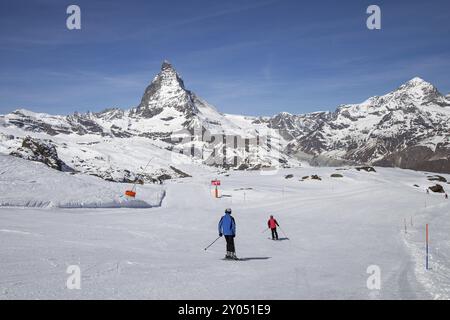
227 228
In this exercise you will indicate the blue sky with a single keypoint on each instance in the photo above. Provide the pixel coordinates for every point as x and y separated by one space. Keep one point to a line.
255 57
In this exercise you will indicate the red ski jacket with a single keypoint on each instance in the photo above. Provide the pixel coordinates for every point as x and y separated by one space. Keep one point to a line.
272 223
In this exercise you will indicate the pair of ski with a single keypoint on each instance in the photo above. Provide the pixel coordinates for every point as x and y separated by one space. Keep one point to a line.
231 259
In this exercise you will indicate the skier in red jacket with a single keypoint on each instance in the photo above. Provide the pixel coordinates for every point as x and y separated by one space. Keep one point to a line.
272 224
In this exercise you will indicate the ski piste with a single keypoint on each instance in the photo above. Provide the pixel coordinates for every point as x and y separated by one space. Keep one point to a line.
162 225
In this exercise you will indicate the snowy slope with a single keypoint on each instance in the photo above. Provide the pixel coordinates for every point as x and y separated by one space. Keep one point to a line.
121 160
32 184
337 228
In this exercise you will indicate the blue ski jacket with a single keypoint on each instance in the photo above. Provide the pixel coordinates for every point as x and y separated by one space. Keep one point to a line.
227 225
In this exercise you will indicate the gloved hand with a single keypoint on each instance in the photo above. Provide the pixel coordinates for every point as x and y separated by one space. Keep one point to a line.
220 234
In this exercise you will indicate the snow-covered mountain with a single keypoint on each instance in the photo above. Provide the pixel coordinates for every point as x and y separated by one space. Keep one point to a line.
169 120
408 128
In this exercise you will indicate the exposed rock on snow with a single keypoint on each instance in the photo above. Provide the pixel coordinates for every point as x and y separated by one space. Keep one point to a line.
367 169
437 178
41 151
336 175
437 188
180 173
312 177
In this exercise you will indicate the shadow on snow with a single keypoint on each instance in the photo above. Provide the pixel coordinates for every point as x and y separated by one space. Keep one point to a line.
254 258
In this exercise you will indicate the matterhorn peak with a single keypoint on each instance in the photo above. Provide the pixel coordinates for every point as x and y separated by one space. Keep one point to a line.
165 91
169 74
166 65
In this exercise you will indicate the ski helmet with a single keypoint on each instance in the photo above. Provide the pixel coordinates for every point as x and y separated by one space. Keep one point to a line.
228 210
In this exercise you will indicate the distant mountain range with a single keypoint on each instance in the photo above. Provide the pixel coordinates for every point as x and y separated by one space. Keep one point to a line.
407 128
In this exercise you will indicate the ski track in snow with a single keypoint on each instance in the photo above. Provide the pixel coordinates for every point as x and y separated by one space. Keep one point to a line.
15 231
337 227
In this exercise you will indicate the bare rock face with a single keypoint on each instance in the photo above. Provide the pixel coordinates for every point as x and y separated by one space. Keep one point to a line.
166 91
292 126
41 151
419 158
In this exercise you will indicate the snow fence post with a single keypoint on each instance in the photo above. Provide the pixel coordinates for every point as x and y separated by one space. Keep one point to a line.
406 230
426 257
216 183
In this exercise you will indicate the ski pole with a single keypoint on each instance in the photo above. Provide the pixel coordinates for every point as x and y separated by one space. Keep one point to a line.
284 233
265 230
212 243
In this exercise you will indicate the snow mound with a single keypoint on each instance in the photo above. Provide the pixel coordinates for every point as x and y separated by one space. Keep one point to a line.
32 184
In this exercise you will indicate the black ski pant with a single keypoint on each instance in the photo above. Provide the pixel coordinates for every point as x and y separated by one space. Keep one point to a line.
274 233
230 243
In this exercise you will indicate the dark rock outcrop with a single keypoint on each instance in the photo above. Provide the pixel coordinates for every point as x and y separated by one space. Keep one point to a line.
42 151
437 188
437 178
366 168
337 175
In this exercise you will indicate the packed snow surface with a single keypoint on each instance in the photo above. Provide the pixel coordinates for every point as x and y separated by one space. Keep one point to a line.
32 184
337 228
